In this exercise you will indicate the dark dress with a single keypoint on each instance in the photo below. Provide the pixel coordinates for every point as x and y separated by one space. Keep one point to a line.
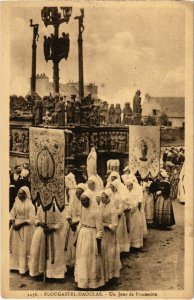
163 213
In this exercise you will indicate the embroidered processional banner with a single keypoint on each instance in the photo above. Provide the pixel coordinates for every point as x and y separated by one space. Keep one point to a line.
144 150
47 161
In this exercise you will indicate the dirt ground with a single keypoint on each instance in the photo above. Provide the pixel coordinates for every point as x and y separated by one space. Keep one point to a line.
160 267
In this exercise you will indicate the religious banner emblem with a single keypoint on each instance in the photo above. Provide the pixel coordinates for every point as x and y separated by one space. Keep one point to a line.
47 160
144 150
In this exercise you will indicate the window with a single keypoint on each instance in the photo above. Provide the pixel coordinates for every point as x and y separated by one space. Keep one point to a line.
154 111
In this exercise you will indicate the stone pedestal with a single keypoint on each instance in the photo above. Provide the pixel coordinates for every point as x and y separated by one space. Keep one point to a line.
137 119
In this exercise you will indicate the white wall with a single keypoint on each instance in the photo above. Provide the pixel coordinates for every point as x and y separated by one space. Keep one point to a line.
176 122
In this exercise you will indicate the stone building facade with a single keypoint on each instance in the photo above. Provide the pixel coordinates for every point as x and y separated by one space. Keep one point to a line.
172 107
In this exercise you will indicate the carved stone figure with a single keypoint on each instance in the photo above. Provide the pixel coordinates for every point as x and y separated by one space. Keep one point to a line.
26 144
80 144
94 140
103 110
91 117
37 112
127 114
70 112
50 104
16 142
86 142
113 140
108 141
117 134
97 115
84 111
77 112
23 141
137 103
106 115
72 147
47 48
122 142
58 116
112 114
101 141
126 141
118 114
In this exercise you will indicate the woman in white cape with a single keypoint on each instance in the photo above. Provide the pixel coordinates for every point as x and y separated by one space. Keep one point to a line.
88 265
133 215
55 261
110 247
22 228
117 198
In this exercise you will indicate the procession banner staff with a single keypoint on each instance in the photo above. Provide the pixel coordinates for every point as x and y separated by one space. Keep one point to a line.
144 150
47 163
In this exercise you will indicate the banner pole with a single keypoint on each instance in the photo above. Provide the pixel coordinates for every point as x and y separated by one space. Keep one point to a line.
44 277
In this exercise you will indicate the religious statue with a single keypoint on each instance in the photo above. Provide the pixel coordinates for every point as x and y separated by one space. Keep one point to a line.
37 112
126 134
113 141
15 141
127 114
94 140
64 42
96 115
70 112
86 105
101 114
118 114
26 144
144 151
137 103
86 142
104 141
45 165
106 112
72 147
22 141
47 48
108 140
44 101
30 101
112 114
92 163
77 112
91 117
80 144
122 142
101 141
59 114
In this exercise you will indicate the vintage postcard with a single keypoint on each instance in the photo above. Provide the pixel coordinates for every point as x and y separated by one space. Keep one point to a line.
97 149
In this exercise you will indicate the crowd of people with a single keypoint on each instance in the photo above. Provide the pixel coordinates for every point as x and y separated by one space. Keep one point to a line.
103 220
173 162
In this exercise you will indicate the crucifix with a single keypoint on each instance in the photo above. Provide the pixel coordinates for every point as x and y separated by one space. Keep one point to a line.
35 39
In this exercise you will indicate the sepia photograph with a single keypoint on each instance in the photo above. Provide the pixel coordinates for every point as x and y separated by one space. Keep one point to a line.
97 151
